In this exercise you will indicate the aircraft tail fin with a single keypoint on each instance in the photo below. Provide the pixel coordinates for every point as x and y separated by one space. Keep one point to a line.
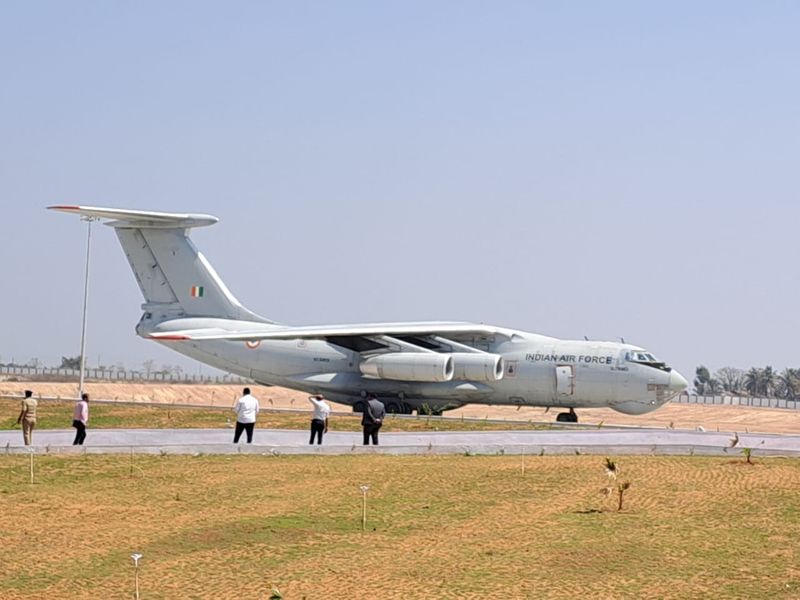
175 278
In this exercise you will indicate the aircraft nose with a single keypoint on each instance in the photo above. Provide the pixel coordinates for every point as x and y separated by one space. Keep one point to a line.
677 383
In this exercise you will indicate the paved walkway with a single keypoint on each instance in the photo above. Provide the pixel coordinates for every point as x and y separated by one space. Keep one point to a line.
271 441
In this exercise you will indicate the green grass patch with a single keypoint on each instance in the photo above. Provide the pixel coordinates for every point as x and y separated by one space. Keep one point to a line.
58 415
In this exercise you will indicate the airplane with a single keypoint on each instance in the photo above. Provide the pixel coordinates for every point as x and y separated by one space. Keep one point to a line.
424 366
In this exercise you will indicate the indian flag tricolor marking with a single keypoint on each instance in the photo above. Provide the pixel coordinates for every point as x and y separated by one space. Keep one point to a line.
197 291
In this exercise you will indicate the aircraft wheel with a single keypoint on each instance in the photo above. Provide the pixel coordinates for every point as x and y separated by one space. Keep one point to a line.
567 417
395 407
358 407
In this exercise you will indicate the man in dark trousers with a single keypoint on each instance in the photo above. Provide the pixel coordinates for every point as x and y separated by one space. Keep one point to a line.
372 419
80 417
319 422
246 411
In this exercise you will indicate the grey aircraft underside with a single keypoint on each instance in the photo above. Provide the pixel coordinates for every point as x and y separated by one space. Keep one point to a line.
430 366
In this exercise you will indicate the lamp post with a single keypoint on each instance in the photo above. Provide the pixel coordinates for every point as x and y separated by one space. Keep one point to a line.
85 301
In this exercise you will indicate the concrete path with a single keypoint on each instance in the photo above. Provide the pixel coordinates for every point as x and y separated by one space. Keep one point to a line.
274 442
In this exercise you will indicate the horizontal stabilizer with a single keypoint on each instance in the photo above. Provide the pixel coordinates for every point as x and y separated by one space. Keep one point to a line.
139 218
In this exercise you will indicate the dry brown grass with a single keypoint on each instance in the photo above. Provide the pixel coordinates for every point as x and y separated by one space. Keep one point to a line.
439 527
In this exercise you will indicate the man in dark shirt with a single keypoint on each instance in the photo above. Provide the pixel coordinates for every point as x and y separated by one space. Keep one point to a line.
372 419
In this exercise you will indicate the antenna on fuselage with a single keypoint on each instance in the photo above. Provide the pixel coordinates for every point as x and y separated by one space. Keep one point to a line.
622 339
586 337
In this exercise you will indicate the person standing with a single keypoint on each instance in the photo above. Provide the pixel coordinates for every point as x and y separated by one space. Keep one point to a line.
246 410
27 416
319 422
80 417
372 419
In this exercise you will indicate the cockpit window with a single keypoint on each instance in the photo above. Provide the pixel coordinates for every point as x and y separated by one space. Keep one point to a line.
645 358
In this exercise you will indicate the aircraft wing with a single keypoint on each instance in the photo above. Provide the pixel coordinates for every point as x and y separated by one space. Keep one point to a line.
331 331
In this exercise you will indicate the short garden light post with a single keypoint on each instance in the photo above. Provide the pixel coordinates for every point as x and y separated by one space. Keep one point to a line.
136 556
364 490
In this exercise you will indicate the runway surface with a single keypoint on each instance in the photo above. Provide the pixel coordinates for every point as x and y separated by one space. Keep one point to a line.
276 442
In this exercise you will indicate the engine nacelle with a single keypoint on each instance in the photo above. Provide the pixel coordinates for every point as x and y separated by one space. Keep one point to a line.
409 366
478 367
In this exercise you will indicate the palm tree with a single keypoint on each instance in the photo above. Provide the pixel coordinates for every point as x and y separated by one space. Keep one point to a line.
767 381
752 380
788 385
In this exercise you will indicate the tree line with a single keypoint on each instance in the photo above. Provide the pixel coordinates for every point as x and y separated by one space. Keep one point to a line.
762 382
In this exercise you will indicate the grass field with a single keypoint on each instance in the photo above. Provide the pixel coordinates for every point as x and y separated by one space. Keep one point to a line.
438 527
58 415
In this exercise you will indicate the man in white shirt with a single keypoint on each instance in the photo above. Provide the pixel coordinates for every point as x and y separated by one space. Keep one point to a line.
246 410
319 422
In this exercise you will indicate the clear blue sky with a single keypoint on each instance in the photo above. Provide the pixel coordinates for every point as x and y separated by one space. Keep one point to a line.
570 168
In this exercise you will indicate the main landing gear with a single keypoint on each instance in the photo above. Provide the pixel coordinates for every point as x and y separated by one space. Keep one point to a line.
397 407
567 417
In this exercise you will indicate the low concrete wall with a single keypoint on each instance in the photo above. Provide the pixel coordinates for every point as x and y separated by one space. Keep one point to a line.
738 401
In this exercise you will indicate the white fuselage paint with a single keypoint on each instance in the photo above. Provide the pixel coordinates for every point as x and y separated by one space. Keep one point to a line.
593 374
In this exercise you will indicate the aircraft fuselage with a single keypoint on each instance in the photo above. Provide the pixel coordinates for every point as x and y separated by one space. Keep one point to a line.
537 371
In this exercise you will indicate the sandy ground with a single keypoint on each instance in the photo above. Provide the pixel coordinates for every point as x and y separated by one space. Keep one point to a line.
679 416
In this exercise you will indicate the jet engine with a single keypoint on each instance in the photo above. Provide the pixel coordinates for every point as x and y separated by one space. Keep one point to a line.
409 366
478 367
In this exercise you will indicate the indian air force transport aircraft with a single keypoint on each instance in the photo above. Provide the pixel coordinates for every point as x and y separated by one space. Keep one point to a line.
430 366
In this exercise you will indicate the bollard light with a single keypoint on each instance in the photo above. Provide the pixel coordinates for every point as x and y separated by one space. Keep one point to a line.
32 452
364 489
136 556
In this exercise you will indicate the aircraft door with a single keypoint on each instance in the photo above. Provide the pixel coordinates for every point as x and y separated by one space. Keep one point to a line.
565 380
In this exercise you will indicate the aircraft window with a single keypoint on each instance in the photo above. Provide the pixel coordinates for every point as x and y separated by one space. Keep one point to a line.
644 357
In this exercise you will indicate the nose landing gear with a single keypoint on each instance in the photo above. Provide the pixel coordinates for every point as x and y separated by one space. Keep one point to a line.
567 417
